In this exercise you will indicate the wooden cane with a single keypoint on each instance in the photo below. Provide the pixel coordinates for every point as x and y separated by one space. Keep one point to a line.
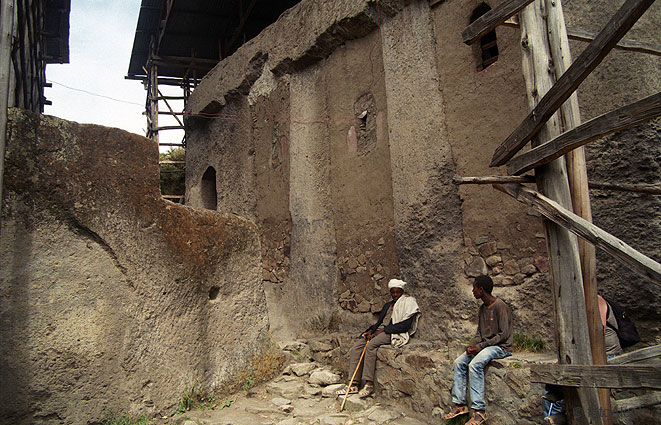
346 394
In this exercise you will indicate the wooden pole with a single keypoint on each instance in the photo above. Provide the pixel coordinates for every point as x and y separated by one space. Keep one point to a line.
7 28
580 195
572 335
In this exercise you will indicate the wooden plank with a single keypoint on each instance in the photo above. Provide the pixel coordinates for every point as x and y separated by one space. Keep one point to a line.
171 162
608 123
637 356
550 209
171 144
638 402
592 56
654 189
601 376
493 179
492 19
624 44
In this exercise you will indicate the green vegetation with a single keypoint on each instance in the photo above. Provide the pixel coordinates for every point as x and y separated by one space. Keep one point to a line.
250 382
173 175
298 356
531 344
516 365
193 398
127 420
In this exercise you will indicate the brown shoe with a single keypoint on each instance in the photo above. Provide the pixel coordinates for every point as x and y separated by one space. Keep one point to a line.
367 391
479 418
456 411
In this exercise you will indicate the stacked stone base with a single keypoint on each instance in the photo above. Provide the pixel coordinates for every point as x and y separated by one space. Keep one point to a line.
418 378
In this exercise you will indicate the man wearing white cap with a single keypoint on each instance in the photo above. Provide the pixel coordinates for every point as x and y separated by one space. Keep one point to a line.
401 315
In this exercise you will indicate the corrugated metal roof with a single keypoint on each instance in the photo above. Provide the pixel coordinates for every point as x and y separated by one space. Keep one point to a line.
197 29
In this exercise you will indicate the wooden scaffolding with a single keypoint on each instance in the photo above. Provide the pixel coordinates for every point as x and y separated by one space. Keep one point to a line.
557 136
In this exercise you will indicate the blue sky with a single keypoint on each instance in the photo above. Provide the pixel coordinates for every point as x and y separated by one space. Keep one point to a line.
100 43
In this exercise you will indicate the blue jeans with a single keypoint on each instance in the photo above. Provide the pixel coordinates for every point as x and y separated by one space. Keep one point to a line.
474 365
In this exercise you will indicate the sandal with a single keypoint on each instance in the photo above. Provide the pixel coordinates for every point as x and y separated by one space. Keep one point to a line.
367 391
352 390
457 411
478 418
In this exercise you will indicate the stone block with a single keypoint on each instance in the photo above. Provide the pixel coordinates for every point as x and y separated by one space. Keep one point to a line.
323 378
488 249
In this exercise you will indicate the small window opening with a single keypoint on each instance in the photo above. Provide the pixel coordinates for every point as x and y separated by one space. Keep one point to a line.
208 189
488 46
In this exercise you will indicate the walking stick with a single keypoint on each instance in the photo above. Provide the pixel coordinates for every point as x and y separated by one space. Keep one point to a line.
346 394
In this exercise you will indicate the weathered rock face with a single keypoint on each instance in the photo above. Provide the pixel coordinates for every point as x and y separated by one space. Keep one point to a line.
113 299
627 157
341 126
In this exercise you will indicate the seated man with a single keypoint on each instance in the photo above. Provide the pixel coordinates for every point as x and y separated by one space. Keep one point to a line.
401 315
493 340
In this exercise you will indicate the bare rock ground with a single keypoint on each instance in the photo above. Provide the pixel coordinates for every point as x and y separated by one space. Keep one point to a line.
304 394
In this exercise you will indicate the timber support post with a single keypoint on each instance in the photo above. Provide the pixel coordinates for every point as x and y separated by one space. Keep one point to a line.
564 258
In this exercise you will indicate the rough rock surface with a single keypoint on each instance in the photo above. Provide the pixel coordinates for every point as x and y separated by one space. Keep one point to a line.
111 298
413 387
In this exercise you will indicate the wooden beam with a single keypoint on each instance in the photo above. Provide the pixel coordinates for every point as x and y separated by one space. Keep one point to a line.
638 355
174 114
171 162
577 176
638 402
566 278
624 44
608 123
492 19
7 11
186 59
493 179
601 376
550 209
170 98
169 127
192 65
654 189
588 37
164 22
592 56
171 144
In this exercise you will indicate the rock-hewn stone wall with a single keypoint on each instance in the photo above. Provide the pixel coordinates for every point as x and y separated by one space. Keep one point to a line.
628 157
394 105
111 298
